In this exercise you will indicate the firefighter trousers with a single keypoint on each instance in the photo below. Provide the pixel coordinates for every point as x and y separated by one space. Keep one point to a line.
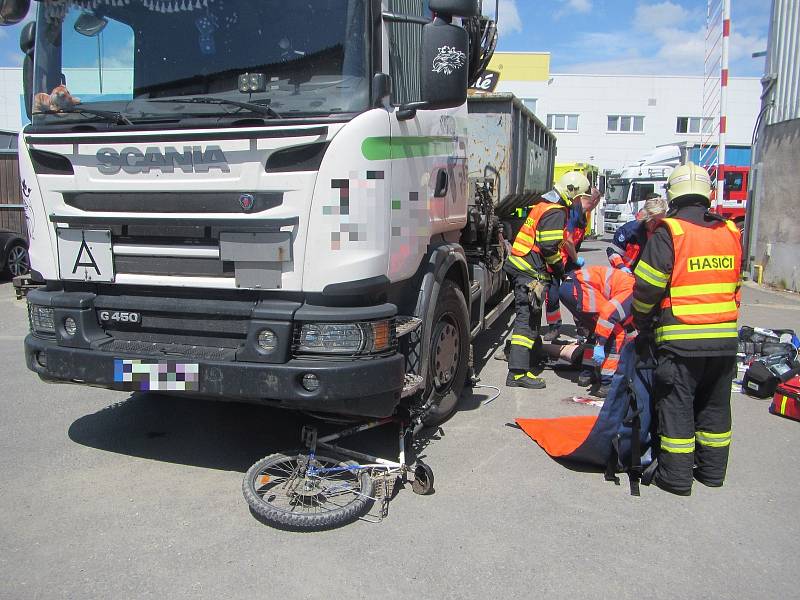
552 304
693 403
525 339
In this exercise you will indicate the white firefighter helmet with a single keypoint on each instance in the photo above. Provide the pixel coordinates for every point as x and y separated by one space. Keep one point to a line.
573 184
689 180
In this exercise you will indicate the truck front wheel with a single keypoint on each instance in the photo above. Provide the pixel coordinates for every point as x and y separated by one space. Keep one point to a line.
448 354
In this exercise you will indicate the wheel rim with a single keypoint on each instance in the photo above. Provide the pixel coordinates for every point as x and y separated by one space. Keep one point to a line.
445 354
288 486
18 261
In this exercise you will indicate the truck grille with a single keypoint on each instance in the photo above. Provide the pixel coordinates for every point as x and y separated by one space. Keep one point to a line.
118 346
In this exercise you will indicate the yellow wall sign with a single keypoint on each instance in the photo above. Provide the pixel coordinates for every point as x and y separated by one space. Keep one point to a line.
710 263
521 66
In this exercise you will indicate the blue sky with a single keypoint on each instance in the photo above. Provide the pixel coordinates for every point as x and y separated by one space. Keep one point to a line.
601 36
630 36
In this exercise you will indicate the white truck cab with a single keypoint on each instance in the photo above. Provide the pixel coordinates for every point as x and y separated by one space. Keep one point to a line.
626 191
258 200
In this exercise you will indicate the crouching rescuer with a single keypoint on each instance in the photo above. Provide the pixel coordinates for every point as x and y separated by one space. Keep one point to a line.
534 262
686 300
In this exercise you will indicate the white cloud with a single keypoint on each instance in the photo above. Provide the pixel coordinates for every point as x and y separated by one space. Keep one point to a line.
654 17
570 7
508 19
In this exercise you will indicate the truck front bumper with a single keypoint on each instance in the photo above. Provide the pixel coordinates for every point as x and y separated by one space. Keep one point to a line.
364 387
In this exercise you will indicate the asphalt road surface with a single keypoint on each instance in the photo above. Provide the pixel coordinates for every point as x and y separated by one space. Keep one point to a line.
111 495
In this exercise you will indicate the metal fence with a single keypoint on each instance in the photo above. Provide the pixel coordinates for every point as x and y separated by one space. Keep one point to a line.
12 215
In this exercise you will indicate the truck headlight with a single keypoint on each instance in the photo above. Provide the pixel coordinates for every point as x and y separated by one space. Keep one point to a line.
41 319
346 338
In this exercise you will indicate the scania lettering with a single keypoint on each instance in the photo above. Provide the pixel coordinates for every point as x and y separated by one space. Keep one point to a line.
193 159
292 201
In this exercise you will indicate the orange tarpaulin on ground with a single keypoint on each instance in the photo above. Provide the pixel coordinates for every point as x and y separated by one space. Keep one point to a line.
561 436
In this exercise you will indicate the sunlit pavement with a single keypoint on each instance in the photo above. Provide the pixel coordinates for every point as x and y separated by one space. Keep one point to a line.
107 495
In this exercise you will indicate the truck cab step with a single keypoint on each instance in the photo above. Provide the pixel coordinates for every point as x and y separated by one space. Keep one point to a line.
406 325
411 384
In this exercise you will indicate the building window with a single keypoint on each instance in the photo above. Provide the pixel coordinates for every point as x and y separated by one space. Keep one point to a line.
562 122
530 104
692 124
626 123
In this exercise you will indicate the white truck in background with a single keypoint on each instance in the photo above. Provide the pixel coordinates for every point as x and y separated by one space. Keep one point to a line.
268 202
626 191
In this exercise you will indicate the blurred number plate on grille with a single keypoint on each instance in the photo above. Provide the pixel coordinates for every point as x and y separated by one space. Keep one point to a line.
156 376
85 254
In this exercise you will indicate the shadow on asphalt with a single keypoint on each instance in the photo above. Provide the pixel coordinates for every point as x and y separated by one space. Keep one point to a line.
229 436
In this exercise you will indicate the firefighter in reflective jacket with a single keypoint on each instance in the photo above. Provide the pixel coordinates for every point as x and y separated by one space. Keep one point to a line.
575 232
534 260
600 300
686 300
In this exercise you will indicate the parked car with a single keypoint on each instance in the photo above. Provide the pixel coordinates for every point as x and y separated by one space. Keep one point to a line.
14 257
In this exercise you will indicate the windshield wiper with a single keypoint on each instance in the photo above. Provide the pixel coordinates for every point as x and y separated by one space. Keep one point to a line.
251 106
113 117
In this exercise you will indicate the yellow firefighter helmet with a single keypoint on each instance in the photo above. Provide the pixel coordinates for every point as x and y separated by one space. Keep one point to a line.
689 180
573 184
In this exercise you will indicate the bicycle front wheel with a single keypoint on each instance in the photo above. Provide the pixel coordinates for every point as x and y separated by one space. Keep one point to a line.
298 493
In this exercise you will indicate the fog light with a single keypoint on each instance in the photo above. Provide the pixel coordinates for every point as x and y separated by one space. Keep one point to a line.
41 359
267 340
310 382
70 326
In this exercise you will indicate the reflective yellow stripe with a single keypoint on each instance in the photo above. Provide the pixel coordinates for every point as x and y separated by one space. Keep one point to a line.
650 275
551 260
677 445
549 235
703 309
700 289
674 225
732 226
713 440
783 405
696 332
642 307
520 247
521 340
525 237
521 264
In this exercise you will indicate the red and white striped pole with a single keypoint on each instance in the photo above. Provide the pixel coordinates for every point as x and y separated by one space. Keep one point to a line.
723 101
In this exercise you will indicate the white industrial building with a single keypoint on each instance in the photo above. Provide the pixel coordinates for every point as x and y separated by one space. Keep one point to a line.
611 120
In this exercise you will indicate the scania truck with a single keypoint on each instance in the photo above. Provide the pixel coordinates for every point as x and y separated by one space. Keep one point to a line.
267 201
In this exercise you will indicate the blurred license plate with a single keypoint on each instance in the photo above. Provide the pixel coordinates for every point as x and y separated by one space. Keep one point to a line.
156 375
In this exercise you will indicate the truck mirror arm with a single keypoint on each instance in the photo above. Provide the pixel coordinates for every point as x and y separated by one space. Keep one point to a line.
409 110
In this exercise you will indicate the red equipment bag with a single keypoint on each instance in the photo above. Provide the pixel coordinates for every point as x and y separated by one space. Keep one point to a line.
786 401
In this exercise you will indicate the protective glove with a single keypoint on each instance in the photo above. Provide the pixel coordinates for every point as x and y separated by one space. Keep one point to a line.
599 354
580 262
626 270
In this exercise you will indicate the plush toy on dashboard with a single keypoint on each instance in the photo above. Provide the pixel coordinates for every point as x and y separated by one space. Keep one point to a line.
56 101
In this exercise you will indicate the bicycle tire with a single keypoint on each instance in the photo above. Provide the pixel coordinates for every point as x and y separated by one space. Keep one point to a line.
303 503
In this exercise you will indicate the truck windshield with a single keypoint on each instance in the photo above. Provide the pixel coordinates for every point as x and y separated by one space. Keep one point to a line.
307 58
617 192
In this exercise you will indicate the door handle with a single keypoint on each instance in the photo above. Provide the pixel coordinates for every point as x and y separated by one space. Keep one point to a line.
441 184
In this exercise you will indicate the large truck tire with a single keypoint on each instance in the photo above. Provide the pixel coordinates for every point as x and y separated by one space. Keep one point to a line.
448 357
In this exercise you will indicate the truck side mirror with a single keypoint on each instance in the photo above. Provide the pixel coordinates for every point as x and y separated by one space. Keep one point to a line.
27 40
13 11
444 65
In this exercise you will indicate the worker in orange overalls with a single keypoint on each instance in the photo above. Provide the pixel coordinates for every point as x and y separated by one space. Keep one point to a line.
600 300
